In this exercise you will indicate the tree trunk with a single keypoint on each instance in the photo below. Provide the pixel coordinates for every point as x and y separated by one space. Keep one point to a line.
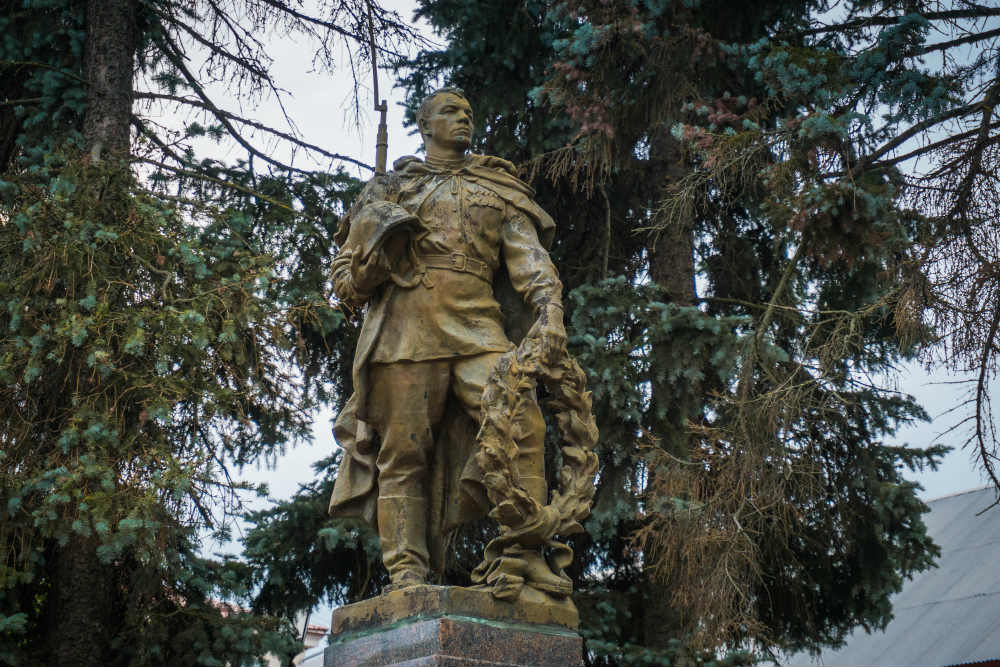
80 619
671 266
671 262
109 51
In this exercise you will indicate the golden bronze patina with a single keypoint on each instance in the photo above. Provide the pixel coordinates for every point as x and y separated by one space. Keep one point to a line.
444 425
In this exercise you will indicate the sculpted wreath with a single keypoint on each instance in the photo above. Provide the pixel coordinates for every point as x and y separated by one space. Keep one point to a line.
523 521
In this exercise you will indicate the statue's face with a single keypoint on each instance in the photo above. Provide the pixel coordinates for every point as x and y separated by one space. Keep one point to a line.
449 123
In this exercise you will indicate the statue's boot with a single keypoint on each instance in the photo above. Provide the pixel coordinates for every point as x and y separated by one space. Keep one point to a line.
537 571
402 528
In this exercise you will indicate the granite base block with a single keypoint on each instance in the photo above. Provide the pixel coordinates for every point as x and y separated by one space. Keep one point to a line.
532 608
433 626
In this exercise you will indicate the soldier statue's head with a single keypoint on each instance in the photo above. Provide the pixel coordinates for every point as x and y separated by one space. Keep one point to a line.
445 122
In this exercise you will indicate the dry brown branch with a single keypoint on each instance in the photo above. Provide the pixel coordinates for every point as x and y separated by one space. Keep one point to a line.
585 164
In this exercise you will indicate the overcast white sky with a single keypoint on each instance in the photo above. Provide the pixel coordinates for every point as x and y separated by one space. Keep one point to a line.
322 109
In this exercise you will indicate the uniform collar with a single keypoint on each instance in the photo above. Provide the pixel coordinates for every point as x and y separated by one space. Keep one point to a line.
440 165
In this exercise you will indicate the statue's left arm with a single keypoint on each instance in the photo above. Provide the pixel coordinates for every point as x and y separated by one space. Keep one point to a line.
535 278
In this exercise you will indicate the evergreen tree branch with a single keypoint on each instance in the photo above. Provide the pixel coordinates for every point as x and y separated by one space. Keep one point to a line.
22 101
746 383
40 65
217 181
786 276
168 151
975 12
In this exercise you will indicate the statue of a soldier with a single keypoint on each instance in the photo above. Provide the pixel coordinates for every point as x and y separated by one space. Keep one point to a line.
427 247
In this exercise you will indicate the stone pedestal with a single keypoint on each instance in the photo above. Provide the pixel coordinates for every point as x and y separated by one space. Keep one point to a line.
443 626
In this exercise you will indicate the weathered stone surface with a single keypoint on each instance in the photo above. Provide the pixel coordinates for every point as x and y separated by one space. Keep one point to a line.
449 626
424 602
457 642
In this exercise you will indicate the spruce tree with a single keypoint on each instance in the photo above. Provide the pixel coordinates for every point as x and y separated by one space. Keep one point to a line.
164 321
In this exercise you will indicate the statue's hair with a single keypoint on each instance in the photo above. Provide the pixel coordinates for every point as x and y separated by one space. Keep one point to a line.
425 104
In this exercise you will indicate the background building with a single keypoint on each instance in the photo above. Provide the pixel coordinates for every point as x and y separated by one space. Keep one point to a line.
946 616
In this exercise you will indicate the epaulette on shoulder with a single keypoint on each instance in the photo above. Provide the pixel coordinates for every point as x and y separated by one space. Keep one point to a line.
381 186
400 164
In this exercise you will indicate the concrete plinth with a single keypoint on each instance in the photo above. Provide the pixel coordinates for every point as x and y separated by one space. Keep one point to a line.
438 626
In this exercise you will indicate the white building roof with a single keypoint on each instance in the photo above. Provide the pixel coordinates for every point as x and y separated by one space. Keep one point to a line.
948 615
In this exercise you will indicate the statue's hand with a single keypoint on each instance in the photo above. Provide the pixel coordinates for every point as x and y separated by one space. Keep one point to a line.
551 334
373 272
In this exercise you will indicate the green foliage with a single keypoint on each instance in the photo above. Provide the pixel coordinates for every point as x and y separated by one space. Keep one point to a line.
154 337
41 54
608 624
297 552
139 360
146 352
143 356
627 336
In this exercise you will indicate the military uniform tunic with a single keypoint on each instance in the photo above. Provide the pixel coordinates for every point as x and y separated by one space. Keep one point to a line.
453 313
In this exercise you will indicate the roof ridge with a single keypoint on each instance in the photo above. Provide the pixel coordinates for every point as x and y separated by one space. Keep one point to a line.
931 603
958 493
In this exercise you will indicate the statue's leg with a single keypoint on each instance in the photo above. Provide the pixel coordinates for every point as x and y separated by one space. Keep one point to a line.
406 401
470 375
469 379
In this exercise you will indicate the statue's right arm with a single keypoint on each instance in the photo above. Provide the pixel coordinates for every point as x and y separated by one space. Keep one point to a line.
343 280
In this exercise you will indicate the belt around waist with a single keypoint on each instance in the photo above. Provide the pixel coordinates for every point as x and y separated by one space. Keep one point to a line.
456 261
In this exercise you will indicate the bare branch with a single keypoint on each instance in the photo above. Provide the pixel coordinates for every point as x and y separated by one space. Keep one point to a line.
915 130
986 452
257 125
968 39
930 148
173 53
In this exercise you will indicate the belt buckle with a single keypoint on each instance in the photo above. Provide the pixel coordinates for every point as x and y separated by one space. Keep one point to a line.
458 261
